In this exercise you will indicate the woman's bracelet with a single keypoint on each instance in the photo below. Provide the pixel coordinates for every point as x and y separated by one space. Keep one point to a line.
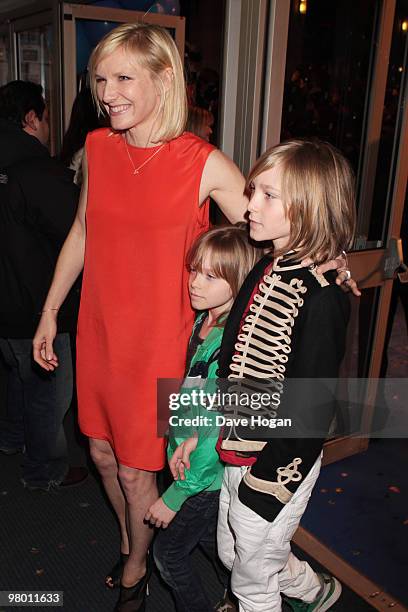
48 309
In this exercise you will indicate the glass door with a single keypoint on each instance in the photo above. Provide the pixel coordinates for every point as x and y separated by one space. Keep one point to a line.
326 69
345 81
36 45
34 52
382 178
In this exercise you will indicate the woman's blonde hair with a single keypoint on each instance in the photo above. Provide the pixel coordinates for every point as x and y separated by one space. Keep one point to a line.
231 255
154 49
317 192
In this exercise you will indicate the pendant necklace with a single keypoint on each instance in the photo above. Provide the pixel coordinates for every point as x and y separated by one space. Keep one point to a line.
137 169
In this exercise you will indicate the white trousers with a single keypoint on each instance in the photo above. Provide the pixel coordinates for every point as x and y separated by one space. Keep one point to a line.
258 552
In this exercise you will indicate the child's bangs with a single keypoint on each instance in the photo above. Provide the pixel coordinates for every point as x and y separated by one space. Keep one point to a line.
216 262
267 161
205 249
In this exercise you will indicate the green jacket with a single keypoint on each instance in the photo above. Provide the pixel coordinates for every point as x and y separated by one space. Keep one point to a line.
206 469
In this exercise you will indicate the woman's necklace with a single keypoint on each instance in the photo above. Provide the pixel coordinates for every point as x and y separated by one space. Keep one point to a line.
137 169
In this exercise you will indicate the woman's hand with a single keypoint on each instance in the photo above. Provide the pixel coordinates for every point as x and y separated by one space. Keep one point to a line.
42 343
160 515
339 264
181 458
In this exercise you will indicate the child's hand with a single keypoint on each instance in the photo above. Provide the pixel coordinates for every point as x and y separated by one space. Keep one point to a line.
339 264
159 514
181 458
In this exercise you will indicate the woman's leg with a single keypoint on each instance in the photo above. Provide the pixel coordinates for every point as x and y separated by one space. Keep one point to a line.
107 466
140 491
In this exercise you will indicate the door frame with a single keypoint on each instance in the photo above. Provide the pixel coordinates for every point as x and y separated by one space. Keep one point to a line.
44 13
359 261
257 128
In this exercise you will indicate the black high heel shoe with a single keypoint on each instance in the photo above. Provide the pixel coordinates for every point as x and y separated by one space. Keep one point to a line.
112 580
133 599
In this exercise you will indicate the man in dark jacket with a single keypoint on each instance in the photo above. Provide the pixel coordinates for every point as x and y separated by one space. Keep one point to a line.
38 202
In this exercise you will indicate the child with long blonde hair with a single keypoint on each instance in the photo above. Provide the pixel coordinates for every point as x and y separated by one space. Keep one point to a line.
286 329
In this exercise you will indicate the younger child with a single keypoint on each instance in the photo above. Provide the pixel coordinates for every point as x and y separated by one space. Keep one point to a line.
218 262
288 327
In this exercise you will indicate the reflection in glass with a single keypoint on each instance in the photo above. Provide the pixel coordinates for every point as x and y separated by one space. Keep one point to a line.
360 334
356 362
390 132
35 57
88 33
327 72
5 68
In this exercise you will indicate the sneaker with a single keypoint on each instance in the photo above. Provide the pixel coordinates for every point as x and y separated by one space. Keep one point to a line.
331 591
226 604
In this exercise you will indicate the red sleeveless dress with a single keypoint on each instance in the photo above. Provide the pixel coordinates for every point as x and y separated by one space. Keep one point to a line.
135 316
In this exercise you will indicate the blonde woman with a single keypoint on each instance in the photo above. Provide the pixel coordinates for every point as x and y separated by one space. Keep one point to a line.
143 202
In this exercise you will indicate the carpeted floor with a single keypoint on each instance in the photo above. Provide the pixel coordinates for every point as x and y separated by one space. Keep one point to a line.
366 496
68 540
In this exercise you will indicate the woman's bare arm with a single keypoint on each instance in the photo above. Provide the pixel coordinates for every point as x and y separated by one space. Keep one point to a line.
223 181
69 266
